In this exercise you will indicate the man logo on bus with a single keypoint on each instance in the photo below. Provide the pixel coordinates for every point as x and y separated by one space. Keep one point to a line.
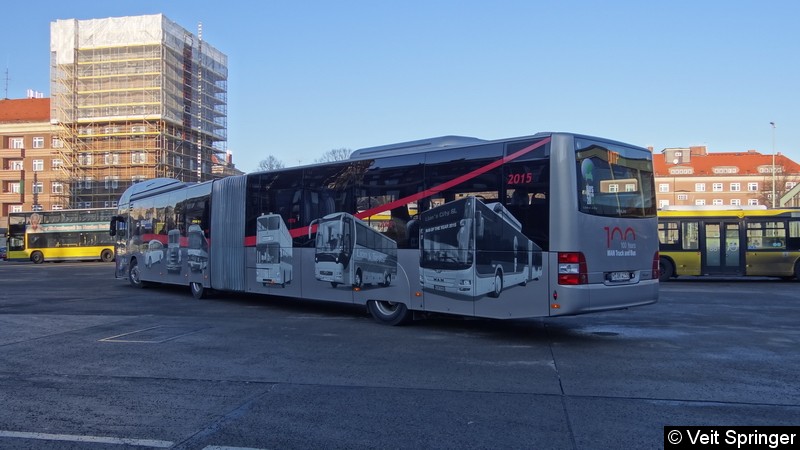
627 248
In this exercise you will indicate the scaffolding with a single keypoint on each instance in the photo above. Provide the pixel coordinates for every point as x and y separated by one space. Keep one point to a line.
134 98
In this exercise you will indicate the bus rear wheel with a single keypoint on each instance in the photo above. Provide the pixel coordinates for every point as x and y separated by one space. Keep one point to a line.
389 313
37 257
106 255
198 290
666 269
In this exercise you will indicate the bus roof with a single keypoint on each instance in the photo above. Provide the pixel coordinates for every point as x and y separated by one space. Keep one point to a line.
150 187
729 212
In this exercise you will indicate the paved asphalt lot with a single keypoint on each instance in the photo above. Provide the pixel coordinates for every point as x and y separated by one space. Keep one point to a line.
87 362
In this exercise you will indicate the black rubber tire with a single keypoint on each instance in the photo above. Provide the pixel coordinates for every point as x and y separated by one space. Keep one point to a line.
134 277
106 255
37 257
666 269
389 313
358 280
198 290
498 285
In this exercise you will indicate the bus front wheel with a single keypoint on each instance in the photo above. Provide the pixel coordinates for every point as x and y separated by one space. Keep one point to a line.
358 280
106 255
389 313
37 257
666 269
134 275
498 285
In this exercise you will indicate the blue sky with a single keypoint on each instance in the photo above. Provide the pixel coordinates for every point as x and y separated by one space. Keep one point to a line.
309 76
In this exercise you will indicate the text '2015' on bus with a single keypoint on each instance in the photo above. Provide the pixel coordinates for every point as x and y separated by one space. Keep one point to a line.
512 228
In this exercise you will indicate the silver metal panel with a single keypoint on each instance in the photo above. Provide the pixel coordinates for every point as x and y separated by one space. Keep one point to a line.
227 234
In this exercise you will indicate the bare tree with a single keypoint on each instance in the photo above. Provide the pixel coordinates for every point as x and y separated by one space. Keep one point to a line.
783 183
271 163
337 154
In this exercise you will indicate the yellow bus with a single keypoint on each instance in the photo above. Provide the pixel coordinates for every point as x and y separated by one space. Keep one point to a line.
64 235
729 242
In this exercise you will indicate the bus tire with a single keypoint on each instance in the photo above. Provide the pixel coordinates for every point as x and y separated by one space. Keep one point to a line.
106 255
358 279
198 290
37 257
134 275
797 271
389 313
498 284
666 269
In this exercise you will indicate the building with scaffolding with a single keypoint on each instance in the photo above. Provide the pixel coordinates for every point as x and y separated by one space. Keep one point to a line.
134 98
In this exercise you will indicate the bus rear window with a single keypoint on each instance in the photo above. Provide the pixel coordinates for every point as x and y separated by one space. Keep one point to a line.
613 180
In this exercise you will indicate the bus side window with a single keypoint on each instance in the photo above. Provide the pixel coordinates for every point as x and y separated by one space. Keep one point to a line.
690 235
793 235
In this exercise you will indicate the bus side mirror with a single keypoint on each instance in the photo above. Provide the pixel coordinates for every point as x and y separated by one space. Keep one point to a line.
479 225
112 227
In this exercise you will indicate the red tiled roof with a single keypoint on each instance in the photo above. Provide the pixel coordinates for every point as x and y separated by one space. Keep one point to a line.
747 162
25 110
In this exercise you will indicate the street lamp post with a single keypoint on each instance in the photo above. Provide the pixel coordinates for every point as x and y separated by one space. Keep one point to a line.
774 200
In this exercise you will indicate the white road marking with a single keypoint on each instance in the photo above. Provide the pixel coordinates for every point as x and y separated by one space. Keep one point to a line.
93 439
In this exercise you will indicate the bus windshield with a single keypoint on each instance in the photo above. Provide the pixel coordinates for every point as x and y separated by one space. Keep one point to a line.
329 237
441 249
614 180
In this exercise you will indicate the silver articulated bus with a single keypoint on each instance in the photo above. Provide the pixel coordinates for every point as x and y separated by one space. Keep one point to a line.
543 225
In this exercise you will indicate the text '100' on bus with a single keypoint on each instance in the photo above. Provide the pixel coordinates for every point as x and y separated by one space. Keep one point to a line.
544 225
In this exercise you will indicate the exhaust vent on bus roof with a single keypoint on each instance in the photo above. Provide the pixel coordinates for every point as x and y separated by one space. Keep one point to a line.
404 148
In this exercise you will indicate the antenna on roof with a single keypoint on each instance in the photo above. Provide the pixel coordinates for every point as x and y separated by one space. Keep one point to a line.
5 96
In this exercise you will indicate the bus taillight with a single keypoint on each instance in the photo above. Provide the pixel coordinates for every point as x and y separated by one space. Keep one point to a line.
572 268
656 267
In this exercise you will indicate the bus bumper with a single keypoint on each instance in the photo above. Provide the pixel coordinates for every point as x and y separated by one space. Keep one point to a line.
583 299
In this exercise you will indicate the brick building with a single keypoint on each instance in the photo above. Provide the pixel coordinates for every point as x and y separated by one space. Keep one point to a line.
693 176
29 166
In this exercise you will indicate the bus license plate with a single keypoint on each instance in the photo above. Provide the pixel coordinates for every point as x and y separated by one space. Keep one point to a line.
438 288
619 276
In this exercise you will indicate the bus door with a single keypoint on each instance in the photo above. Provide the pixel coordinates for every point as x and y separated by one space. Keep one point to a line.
721 248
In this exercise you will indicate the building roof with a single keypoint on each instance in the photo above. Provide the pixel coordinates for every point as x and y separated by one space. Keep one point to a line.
747 163
25 110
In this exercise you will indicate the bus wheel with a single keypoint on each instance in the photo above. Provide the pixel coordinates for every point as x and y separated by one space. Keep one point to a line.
134 276
357 280
389 313
106 255
198 291
666 269
37 257
498 285
797 270
334 284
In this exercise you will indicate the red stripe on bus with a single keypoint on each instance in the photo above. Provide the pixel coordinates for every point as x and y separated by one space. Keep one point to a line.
303 231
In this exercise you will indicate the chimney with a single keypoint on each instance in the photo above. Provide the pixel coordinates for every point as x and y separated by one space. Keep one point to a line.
698 150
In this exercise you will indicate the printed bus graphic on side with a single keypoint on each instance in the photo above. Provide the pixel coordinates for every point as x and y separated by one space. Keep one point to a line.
470 249
350 252
273 251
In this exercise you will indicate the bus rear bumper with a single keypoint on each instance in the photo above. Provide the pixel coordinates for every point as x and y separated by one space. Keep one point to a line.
585 299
